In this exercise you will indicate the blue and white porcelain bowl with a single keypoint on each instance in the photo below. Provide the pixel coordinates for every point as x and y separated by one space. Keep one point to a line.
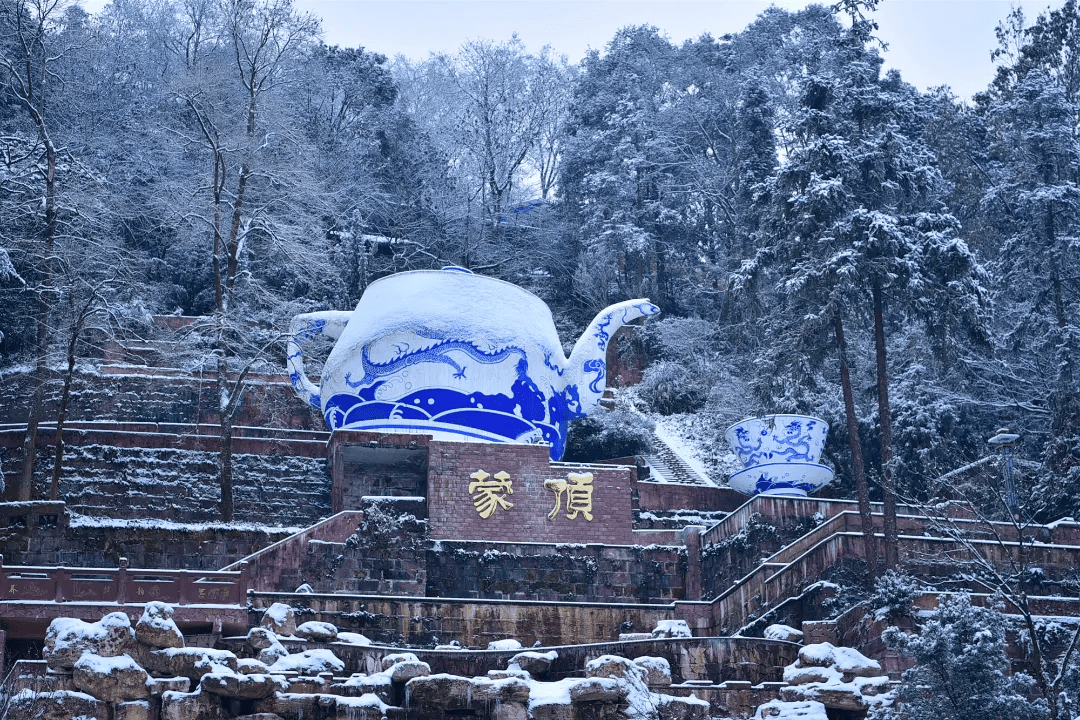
778 438
782 478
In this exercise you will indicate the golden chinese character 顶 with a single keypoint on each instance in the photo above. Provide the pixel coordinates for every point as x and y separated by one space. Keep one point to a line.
489 495
579 489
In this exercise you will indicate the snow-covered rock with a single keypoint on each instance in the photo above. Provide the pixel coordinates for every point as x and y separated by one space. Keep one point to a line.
507 644
156 627
535 663
317 631
672 629
67 639
309 662
251 666
781 710
58 705
266 645
389 661
112 679
657 670
669 707
837 677
352 638
241 687
783 632
281 619
189 662
848 661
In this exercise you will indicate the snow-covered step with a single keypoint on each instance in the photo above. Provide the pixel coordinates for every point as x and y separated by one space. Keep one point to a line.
666 465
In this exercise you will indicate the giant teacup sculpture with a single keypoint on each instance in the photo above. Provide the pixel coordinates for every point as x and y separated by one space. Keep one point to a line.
457 356
780 454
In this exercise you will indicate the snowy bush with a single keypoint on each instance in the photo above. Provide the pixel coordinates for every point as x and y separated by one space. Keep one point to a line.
961 670
670 388
618 433
893 595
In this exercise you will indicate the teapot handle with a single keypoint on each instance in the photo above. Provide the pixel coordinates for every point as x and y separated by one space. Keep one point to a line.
304 327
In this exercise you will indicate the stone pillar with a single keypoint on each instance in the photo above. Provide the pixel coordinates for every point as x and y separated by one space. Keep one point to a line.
692 539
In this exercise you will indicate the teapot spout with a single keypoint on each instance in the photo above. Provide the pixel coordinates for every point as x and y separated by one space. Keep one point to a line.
587 367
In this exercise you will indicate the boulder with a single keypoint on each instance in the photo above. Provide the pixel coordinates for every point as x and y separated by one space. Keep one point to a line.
613 666
507 644
535 663
441 691
192 706
783 632
156 627
266 645
406 670
112 679
272 654
159 686
599 689
500 692
281 619
250 666
259 638
241 687
681 708
58 705
671 629
308 662
353 638
848 661
836 697
782 710
190 662
317 631
389 661
657 670
133 710
67 639
794 675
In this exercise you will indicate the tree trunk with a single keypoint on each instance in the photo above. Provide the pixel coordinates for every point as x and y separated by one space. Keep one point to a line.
61 413
888 484
225 465
26 482
862 490
225 426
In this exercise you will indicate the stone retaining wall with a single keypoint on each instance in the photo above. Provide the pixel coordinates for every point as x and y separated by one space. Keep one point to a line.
43 533
140 393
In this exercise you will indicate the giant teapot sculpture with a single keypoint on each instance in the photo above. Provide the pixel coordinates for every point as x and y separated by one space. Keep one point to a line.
457 356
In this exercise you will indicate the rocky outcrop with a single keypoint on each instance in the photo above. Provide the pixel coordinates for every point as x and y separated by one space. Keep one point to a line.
112 679
156 627
67 639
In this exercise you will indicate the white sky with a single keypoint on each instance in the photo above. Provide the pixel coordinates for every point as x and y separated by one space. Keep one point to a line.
932 42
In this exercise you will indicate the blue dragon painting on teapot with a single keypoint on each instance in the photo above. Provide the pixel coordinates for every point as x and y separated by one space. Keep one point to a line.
457 356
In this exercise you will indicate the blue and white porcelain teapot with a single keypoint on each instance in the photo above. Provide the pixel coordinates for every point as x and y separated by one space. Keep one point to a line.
458 356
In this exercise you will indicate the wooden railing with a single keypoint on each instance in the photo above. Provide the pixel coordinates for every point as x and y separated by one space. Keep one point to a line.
123 585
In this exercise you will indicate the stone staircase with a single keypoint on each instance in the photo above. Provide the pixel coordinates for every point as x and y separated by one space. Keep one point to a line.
667 466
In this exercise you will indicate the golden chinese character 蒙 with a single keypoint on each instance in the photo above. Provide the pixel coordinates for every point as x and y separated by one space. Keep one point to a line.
490 495
578 488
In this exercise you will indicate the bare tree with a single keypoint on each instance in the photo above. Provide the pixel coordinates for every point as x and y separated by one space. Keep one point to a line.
236 121
34 48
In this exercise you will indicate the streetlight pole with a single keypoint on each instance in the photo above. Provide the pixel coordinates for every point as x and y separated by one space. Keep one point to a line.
1006 441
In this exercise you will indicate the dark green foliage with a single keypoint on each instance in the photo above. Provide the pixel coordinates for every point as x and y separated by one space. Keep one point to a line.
961 669
607 435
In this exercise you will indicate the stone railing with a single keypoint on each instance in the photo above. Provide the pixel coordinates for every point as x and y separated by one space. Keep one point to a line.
24 583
